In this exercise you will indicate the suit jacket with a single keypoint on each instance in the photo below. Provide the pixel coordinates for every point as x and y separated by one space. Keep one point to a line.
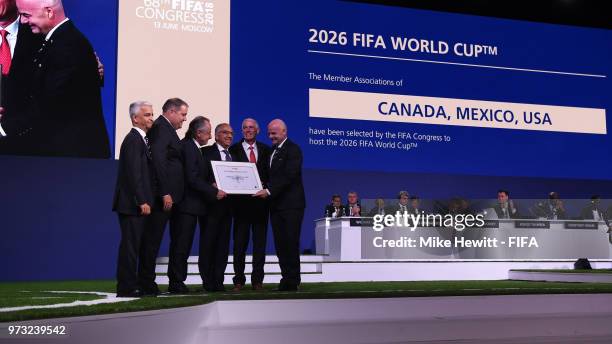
396 208
285 178
15 90
330 210
500 212
375 211
211 153
263 151
587 213
167 159
63 116
135 182
247 206
198 189
347 209
543 209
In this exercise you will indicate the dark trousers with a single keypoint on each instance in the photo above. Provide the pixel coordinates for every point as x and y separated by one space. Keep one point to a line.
182 231
214 245
132 229
151 241
286 226
242 230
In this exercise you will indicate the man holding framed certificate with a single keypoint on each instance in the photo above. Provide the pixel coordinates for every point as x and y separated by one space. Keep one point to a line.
287 202
214 240
251 214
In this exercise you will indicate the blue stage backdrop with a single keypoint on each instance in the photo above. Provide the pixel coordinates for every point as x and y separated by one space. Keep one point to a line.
370 117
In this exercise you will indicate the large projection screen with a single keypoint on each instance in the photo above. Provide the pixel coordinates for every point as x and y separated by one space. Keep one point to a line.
173 48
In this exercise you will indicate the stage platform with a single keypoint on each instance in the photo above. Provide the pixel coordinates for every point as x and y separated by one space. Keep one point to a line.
322 268
457 319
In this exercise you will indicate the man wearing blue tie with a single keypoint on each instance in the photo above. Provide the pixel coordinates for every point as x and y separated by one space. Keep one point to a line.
214 240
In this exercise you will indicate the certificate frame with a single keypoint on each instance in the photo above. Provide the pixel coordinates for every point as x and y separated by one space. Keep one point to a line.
237 178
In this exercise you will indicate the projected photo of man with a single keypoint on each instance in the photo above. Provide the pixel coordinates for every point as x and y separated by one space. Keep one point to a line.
54 106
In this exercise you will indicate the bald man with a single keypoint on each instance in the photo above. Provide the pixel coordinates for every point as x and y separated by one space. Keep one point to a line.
64 114
287 202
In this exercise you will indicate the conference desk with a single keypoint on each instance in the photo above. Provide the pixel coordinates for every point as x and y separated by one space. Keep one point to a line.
354 239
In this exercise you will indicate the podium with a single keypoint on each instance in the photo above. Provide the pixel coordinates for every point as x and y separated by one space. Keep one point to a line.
351 239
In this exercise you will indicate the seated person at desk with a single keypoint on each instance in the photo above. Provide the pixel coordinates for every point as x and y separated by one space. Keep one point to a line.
352 208
505 208
402 205
379 208
459 206
414 205
593 210
335 209
553 209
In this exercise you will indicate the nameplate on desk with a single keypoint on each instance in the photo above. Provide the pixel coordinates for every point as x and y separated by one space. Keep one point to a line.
532 224
490 224
581 225
362 222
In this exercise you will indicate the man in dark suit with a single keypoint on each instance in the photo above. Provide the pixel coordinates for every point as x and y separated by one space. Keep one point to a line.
335 209
287 202
402 205
214 241
553 209
18 47
593 210
505 208
379 208
133 197
193 208
65 71
250 213
168 164
352 207
415 206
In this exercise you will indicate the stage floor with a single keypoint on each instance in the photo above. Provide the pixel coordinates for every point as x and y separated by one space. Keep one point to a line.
458 319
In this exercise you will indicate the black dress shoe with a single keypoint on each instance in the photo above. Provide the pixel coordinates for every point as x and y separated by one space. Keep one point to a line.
220 288
150 292
131 293
286 287
208 288
178 289
149 289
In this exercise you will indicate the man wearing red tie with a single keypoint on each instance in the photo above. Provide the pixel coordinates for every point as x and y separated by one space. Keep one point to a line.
17 47
250 214
62 69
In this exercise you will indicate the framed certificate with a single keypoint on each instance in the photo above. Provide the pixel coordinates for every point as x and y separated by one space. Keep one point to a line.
237 177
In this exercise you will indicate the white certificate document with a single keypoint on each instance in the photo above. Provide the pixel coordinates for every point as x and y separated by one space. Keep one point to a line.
236 177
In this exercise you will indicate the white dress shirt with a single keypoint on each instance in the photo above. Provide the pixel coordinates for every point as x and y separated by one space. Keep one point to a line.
142 133
246 146
221 149
197 144
11 38
13 30
48 36
277 148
